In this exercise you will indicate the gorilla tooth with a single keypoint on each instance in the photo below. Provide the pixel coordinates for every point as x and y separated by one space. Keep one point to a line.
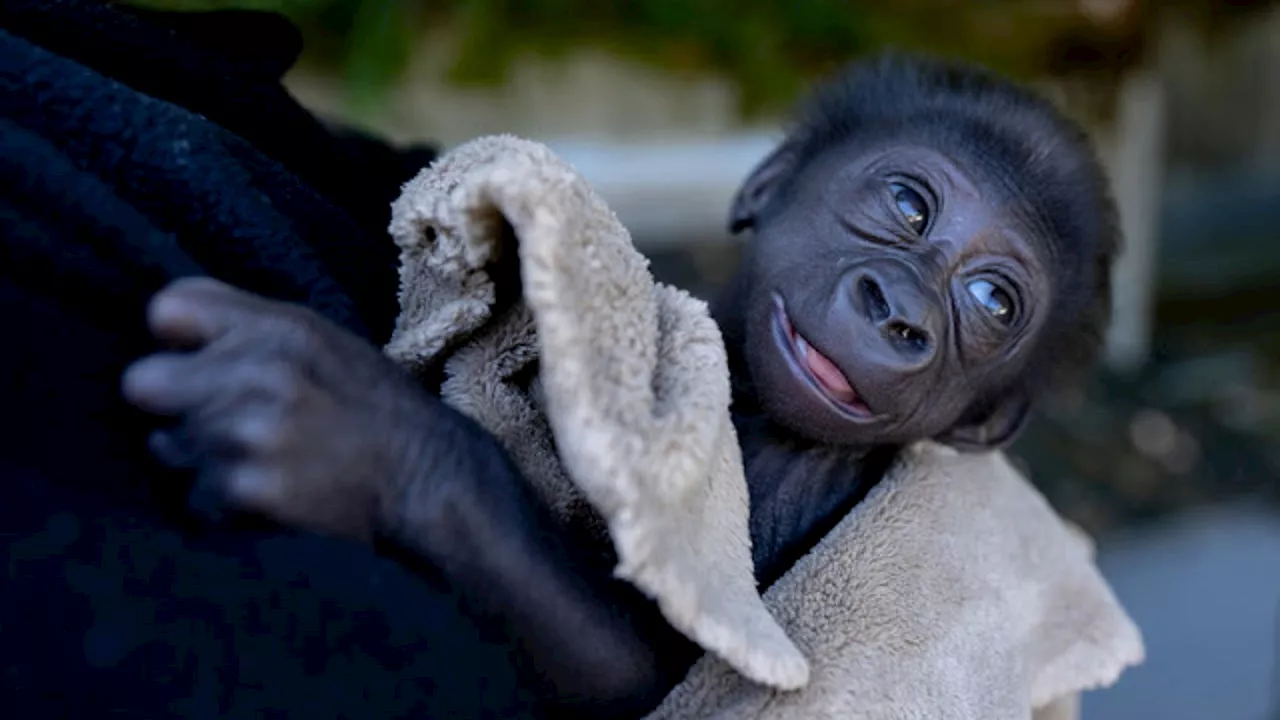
803 348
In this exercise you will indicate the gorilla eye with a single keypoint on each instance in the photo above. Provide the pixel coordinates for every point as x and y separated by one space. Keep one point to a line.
912 206
994 299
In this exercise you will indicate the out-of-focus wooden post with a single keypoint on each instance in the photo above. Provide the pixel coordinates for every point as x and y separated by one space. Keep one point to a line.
1134 154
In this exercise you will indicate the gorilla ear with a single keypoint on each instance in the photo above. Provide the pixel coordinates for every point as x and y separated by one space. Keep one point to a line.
758 189
993 430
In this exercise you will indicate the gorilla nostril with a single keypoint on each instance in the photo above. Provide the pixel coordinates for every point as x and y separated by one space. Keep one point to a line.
876 304
909 337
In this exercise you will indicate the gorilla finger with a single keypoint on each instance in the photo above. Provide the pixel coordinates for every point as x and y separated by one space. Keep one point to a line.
254 428
216 381
216 492
256 487
260 430
166 383
198 443
197 310
174 448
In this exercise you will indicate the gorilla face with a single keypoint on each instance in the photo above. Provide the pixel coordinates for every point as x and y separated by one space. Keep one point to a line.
892 291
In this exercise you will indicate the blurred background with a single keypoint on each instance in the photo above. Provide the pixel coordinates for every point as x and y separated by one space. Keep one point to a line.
1170 458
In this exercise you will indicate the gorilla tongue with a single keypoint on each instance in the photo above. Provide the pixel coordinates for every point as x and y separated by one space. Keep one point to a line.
826 372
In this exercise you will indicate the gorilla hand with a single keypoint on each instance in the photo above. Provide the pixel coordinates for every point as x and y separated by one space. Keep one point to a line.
281 411
288 415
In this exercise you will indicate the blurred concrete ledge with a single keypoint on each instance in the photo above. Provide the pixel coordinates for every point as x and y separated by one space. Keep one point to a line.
668 192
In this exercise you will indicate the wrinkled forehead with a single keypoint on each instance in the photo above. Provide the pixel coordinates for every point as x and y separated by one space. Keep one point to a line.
959 173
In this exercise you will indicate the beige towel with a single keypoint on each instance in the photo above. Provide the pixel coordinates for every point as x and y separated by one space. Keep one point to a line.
633 394
952 591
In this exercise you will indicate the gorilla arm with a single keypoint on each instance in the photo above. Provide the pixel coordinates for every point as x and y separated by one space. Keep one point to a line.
287 415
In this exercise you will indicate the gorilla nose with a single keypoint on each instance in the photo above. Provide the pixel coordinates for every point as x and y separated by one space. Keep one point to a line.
902 313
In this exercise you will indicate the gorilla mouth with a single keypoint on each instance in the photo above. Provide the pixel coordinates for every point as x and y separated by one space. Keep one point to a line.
820 371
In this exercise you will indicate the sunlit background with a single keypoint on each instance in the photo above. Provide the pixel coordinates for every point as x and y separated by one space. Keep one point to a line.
1170 458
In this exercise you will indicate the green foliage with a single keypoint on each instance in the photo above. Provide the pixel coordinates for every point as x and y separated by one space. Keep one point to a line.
769 47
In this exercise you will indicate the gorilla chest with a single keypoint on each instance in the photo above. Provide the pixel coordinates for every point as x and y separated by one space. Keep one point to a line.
798 493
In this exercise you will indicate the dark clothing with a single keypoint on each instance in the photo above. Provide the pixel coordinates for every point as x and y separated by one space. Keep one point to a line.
136 148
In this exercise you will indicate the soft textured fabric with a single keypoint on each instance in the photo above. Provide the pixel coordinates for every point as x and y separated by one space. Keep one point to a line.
133 153
951 591
632 383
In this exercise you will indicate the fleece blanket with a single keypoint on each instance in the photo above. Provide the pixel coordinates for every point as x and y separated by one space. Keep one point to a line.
951 591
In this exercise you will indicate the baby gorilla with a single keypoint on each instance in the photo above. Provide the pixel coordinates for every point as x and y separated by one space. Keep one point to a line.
931 249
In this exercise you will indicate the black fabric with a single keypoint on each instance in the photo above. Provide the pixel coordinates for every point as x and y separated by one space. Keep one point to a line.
134 149
224 66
